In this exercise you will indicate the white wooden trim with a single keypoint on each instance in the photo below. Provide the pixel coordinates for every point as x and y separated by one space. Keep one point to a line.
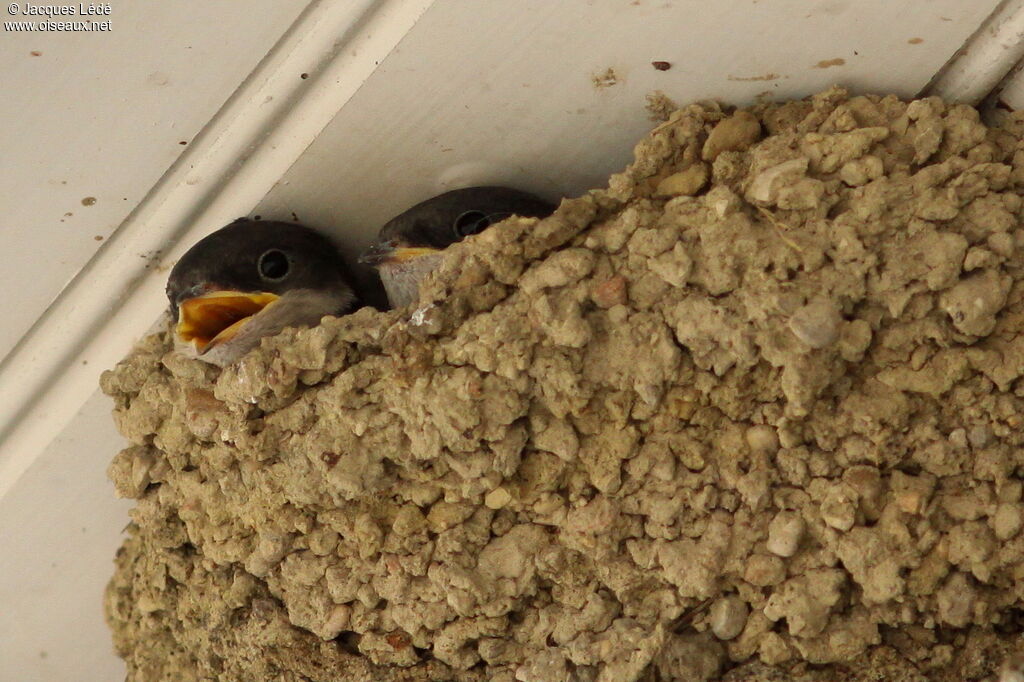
978 67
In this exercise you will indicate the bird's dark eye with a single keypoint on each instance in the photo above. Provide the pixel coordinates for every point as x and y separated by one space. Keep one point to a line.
469 223
273 265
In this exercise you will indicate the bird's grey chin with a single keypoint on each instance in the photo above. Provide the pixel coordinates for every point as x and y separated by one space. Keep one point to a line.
402 280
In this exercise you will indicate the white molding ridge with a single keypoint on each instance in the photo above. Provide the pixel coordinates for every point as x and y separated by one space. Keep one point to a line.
254 138
987 56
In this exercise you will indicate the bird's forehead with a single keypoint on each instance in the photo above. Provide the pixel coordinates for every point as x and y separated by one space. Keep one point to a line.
399 227
213 260
398 233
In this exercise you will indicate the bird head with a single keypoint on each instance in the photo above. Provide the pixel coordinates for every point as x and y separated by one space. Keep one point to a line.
433 225
251 279
404 245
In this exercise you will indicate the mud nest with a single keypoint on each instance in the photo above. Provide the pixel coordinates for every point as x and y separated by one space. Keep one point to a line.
754 410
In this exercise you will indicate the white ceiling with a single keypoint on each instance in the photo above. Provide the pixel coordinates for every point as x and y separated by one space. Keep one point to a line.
97 117
61 527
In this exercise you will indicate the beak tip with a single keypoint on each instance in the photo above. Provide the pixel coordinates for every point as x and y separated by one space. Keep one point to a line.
375 254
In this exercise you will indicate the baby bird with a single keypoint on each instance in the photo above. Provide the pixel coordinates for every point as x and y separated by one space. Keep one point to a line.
409 246
252 279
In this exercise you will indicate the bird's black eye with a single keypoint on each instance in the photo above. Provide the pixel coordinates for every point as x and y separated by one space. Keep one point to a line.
470 222
273 265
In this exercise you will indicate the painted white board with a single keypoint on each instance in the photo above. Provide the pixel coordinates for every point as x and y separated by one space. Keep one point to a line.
91 120
59 529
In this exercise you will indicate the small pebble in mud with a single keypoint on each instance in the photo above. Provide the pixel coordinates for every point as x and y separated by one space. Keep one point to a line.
1007 521
784 533
762 438
497 498
816 324
763 570
733 134
727 617
686 182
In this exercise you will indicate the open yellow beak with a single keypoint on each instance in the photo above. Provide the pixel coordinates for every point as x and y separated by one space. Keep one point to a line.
217 316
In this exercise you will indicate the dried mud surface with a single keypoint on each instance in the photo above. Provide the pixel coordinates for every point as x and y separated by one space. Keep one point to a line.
752 411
